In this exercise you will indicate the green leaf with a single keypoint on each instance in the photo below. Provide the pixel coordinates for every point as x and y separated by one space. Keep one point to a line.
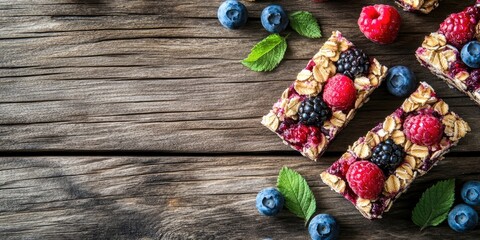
299 198
305 24
267 54
432 208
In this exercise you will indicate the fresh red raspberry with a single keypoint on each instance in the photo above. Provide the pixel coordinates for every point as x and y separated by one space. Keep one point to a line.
365 179
340 93
423 129
459 28
380 23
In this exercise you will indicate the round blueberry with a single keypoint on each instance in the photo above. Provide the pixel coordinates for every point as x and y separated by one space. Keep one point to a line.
232 14
274 19
401 81
323 227
269 201
471 54
471 193
462 218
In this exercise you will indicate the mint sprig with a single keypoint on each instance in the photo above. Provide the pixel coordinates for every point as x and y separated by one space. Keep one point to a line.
266 54
305 24
299 198
432 208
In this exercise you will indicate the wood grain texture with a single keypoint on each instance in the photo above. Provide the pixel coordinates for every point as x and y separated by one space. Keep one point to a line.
187 198
165 76
84 83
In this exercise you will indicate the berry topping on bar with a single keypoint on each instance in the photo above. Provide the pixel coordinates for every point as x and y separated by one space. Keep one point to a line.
473 81
340 92
299 135
388 155
459 28
365 179
313 111
352 63
423 129
380 23
471 54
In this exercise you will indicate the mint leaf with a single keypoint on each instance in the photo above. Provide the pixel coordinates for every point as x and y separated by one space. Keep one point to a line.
305 24
267 54
299 198
432 208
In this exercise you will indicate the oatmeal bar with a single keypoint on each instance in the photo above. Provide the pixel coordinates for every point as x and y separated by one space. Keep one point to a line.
301 117
423 6
440 52
405 146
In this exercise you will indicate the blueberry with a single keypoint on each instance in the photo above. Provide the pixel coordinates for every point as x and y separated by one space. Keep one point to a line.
471 54
274 19
401 81
323 227
462 218
269 201
471 193
232 14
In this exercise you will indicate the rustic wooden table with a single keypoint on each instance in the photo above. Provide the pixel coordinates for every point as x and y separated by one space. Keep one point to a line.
133 119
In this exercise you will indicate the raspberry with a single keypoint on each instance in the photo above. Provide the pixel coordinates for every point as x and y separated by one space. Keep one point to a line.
459 28
423 129
388 155
313 111
473 11
365 179
353 62
299 135
380 23
473 81
340 92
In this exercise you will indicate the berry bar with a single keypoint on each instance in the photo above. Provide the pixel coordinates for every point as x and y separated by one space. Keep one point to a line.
380 166
423 6
453 52
325 96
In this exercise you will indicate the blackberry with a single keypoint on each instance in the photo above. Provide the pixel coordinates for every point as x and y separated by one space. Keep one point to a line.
388 155
352 63
313 111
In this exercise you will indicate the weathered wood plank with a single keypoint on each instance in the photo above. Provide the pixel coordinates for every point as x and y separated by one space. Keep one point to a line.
186 197
73 78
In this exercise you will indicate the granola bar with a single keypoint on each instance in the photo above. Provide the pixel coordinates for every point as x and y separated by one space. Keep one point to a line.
417 159
442 57
311 140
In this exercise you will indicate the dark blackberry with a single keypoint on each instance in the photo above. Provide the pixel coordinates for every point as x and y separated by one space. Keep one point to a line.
388 155
313 111
473 81
352 63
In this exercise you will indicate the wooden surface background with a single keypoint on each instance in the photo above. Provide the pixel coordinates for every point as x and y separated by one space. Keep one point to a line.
133 119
